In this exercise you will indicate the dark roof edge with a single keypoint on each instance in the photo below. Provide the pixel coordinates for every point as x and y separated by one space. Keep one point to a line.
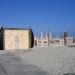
16 28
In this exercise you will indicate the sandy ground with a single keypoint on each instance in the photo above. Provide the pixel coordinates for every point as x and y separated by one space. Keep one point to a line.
38 61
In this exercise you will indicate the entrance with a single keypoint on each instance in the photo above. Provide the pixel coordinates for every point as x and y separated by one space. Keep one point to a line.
17 43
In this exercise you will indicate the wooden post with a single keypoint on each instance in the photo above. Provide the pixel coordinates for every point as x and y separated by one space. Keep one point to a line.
65 35
48 38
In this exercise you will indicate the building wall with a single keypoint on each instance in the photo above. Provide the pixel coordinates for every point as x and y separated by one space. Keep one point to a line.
12 35
1 39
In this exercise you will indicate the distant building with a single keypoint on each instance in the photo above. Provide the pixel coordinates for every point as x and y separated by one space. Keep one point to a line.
42 40
16 38
69 41
48 40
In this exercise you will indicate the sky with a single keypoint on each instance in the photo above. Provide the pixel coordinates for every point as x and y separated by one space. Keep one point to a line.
56 16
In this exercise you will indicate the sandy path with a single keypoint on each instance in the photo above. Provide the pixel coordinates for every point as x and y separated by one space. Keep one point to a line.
54 60
10 64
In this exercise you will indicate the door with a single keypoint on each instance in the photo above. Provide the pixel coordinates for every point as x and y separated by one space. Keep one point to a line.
17 43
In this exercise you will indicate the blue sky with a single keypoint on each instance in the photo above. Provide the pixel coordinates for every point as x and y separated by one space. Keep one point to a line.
56 15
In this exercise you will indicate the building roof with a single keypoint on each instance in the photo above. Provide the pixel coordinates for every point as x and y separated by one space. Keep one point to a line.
14 28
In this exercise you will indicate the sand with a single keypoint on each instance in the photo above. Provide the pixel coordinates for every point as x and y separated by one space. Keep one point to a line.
50 60
54 60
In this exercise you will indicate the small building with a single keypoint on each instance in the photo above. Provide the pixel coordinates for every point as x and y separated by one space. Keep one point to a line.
16 38
69 41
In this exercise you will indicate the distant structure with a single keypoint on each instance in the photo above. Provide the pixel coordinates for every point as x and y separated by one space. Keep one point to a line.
68 40
46 40
16 38
73 39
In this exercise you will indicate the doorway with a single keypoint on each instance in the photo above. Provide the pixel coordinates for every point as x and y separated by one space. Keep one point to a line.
17 43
